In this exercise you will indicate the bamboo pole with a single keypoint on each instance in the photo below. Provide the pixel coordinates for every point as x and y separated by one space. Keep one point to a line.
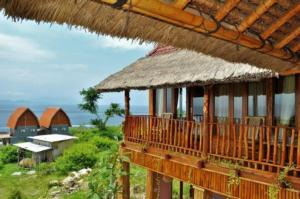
288 38
224 11
185 19
291 13
260 10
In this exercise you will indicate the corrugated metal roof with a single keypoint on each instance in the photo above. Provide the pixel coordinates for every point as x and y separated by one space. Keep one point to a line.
53 138
33 147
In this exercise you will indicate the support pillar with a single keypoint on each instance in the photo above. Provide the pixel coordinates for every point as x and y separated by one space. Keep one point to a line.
270 101
205 120
158 186
297 101
124 181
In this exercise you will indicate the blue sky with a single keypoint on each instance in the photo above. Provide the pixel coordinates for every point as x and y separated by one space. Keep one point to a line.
51 63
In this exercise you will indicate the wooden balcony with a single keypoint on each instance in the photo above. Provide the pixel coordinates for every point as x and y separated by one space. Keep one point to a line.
266 148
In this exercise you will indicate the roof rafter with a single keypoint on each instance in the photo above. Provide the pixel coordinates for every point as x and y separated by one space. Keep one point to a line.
291 13
260 10
288 38
228 6
296 47
181 3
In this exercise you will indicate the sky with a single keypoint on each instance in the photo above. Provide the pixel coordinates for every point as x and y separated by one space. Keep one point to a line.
44 63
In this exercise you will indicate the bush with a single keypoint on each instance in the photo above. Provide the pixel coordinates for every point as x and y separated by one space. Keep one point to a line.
103 143
1 164
77 157
8 154
15 194
46 168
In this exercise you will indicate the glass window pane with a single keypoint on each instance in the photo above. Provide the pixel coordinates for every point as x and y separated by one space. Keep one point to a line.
169 100
285 97
257 104
221 101
159 101
238 101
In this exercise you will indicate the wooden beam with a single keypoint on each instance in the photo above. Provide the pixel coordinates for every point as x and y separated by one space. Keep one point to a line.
296 47
291 13
270 101
260 10
288 38
161 11
127 103
181 4
224 11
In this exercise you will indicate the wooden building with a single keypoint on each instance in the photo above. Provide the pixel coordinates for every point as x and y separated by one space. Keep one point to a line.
54 120
22 123
238 135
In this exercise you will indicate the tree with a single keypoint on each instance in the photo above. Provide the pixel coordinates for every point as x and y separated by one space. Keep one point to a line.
90 98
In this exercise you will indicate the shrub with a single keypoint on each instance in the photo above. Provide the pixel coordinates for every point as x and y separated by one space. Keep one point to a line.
8 154
1 164
15 194
46 168
103 143
77 157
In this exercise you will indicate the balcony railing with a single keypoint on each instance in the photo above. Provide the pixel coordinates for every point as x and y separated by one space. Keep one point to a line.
268 148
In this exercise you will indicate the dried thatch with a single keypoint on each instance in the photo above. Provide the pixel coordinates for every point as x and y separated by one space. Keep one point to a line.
180 68
103 19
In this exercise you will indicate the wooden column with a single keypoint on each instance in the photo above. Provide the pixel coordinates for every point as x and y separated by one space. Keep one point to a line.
175 102
270 101
231 104
127 103
211 104
158 186
206 98
152 94
180 190
124 180
244 101
189 111
165 94
297 101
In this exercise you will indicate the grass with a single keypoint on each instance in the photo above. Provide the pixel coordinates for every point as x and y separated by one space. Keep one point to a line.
31 186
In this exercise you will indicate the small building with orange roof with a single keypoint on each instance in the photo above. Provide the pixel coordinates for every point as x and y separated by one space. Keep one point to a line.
22 123
54 120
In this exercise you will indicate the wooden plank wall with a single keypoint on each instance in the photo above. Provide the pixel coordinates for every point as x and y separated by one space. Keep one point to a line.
199 177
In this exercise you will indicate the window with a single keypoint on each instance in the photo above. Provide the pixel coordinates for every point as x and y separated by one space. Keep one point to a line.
221 102
198 103
238 102
169 100
284 109
257 104
159 101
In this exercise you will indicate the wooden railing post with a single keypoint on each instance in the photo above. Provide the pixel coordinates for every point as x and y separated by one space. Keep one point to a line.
205 120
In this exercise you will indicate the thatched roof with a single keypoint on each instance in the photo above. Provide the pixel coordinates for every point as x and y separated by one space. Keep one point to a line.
178 68
103 19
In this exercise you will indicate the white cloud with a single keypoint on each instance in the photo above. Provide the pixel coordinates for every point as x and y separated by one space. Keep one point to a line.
15 48
124 44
